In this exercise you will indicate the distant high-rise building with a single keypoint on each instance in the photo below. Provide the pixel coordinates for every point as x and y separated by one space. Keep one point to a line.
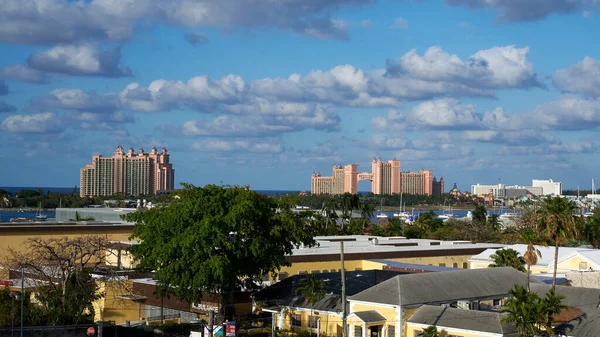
549 187
130 174
417 182
438 187
385 177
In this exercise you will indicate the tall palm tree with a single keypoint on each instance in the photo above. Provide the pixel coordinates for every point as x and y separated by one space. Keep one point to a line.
430 331
494 222
312 289
366 212
508 258
525 310
532 254
557 223
328 209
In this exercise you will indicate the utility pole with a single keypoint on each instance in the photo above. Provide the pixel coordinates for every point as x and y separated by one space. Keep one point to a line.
22 296
211 322
273 325
344 317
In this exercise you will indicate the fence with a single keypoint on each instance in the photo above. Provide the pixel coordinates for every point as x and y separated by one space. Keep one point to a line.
107 331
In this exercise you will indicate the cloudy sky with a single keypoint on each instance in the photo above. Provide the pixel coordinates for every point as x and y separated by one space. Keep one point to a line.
264 92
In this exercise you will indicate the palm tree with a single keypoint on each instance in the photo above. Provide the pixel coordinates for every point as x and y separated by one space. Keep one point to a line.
494 222
328 209
508 258
366 213
525 310
532 254
591 231
557 224
552 304
430 331
312 289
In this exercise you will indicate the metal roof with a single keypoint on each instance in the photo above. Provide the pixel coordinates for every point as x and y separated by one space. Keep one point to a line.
445 287
474 320
411 266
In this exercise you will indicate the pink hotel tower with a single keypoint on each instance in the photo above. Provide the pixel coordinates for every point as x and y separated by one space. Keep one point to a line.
131 174
385 177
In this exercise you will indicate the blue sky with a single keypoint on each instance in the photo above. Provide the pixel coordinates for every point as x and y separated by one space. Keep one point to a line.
264 92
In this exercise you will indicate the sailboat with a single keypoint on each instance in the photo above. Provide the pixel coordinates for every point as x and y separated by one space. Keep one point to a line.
381 214
403 214
39 215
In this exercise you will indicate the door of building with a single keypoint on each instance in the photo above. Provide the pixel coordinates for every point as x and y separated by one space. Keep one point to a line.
375 331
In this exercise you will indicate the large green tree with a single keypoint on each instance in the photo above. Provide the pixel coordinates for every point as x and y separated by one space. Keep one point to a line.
557 223
508 258
215 239
61 270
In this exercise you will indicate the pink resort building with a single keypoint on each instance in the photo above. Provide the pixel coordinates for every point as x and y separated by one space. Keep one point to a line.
131 174
385 177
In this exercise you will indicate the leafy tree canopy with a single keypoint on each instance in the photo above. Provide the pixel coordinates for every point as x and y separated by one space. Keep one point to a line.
508 258
215 239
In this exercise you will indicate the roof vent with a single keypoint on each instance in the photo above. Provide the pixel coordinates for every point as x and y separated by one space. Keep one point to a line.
375 241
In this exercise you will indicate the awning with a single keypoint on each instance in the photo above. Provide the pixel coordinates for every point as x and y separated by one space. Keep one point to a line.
369 317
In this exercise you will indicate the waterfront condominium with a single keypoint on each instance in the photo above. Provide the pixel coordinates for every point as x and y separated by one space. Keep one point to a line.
385 178
130 174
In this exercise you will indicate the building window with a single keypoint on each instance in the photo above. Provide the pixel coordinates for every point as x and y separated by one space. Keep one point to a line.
325 271
455 265
465 265
357 269
313 322
496 303
357 331
391 331
442 265
283 276
417 333
583 266
296 320
314 271
301 272
333 270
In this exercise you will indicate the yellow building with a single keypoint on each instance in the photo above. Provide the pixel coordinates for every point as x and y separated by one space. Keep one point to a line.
363 252
569 259
382 310
15 235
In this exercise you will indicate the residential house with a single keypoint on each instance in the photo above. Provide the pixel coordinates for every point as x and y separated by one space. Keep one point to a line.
569 259
398 298
291 311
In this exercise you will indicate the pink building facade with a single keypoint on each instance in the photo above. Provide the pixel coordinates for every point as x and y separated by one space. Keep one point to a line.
385 178
130 174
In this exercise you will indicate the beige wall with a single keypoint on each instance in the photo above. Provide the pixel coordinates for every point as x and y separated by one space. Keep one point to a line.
331 324
127 260
571 264
351 265
17 239
112 308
